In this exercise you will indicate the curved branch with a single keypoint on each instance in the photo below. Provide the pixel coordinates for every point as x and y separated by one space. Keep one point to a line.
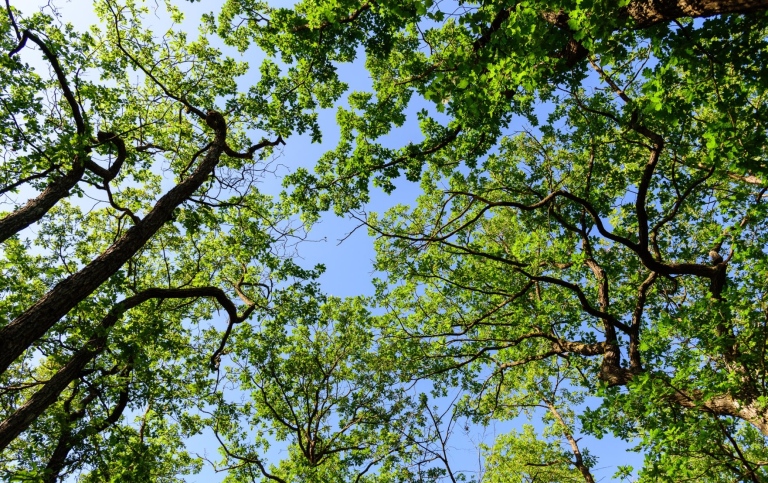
245 459
37 207
641 250
32 177
109 174
20 420
248 154
54 61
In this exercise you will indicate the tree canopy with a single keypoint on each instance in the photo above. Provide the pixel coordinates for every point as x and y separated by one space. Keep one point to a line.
589 246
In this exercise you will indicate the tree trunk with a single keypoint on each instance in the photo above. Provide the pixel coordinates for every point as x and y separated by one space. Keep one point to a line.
28 327
646 13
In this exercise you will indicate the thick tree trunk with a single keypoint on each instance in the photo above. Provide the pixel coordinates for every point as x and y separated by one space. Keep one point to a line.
646 13
18 335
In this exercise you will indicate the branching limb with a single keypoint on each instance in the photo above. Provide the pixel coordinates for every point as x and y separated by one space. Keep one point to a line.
37 207
67 438
109 174
20 419
578 459
63 83
20 333
247 459
248 154
181 99
585 304
117 207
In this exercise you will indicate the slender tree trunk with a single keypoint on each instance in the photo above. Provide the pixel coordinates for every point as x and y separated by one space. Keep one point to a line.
578 460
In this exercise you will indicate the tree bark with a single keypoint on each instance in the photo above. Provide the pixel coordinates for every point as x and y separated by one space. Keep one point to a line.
724 405
67 439
646 13
37 207
34 322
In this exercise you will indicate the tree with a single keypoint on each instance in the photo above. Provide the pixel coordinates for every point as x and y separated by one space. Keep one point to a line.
593 179
523 457
316 382
128 190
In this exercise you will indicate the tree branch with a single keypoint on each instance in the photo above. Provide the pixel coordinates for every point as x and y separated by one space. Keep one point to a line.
20 419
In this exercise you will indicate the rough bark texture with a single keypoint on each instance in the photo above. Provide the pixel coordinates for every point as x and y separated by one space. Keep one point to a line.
37 207
20 420
724 405
646 13
641 14
33 323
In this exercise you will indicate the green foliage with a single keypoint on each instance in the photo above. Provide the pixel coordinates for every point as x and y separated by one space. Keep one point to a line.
120 416
316 383
588 247
592 183
522 457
